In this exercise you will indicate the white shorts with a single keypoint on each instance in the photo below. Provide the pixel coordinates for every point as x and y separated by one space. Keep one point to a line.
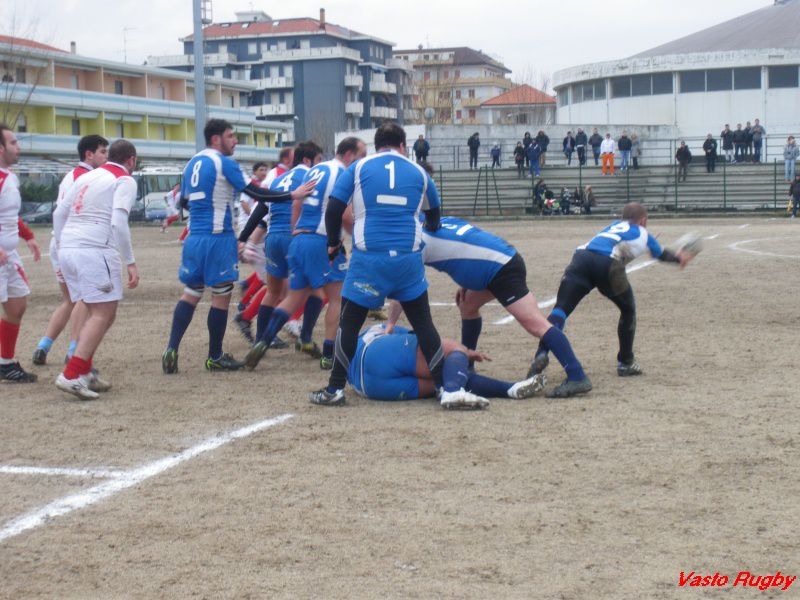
13 281
92 274
54 260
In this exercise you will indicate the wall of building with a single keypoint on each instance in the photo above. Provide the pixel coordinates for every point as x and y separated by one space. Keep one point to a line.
319 102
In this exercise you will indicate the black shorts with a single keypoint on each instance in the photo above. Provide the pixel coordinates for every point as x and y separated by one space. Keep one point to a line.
590 270
509 284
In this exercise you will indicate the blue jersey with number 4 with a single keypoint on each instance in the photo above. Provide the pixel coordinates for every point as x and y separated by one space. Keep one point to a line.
623 241
280 213
212 181
312 216
388 191
471 256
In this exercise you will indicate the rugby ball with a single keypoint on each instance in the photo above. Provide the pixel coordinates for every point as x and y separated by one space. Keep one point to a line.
689 242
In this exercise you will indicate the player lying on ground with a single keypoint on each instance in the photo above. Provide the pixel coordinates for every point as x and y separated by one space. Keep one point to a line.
391 366
601 264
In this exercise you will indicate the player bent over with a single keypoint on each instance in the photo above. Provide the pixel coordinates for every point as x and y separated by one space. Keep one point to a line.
91 221
211 182
14 288
309 266
601 264
390 366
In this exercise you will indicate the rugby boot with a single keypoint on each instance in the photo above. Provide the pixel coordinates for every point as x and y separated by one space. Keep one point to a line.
570 388
14 373
462 399
244 327
539 364
78 387
528 388
629 369
278 344
310 348
255 354
326 363
224 363
325 398
169 361
39 357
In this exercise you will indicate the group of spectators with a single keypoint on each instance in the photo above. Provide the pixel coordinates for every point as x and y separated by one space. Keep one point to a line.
545 201
743 144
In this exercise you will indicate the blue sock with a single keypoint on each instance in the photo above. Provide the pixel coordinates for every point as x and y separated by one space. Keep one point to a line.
45 344
558 318
487 387
310 316
278 320
180 323
454 373
327 348
470 332
217 323
264 315
558 344
71 348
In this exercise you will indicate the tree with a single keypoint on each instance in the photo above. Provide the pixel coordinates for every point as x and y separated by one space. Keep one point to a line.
539 114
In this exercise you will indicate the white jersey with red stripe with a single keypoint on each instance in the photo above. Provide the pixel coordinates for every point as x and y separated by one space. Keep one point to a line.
10 204
70 178
92 203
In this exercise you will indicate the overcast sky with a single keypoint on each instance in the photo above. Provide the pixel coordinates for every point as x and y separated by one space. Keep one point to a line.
532 37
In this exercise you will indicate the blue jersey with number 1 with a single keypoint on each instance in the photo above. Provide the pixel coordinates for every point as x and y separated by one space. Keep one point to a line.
280 213
623 241
212 181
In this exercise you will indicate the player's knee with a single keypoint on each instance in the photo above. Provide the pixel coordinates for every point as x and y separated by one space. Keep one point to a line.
222 289
193 293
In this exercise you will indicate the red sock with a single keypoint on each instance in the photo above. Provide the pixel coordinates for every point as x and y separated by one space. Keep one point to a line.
77 367
298 313
251 311
184 233
171 219
252 289
8 339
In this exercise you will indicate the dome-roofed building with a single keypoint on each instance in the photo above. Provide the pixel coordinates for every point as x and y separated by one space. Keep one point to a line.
739 70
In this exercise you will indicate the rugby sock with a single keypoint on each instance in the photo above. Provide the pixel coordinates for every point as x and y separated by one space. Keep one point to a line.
251 311
487 387
470 332
455 371
76 367
327 348
184 311
310 316
558 318
418 313
264 316
253 285
559 345
217 322
278 320
298 313
45 344
8 339
352 318
71 348
184 233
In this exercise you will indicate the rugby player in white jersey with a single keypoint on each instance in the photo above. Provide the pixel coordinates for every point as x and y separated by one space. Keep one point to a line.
91 230
92 153
13 282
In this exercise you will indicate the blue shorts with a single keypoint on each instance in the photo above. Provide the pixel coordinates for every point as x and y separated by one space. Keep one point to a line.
386 368
309 266
277 249
209 259
374 276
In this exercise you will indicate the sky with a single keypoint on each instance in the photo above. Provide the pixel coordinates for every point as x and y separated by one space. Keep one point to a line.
533 38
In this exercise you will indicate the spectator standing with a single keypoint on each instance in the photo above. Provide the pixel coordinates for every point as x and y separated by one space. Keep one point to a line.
790 154
739 143
727 142
588 200
748 132
624 146
519 159
636 150
543 141
794 192
581 141
421 149
474 142
495 152
527 140
569 147
757 132
710 150
595 141
533 153
607 149
684 157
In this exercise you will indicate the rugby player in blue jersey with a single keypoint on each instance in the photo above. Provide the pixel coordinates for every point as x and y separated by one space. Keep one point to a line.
211 182
601 264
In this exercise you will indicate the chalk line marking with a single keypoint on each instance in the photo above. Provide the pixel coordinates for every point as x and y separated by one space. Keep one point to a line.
130 478
736 247
745 226
712 237
100 472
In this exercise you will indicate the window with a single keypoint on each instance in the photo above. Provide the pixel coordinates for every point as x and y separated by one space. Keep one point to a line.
22 124
640 85
426 75
219 72
458 115
471 93
118 87
577 93
222 48
620 87
252 47
600 89
305 44
73 81
161 92
76 127
274 71
719 80
458 94
120 129
444 95
21 75
232 101
587 92
747 78
426 57
662 83
287 70
563 96
162 132
783 77
693 81
446 74
471 113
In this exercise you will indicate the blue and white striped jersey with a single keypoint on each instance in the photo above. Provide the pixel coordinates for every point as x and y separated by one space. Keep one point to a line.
312 216
279 219
212 182
623 241
471 256
388 191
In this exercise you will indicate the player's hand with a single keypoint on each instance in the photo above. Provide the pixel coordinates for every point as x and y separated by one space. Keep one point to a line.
304 190
133 276
461 295
3 257
684 258
476 356
33 246
333 251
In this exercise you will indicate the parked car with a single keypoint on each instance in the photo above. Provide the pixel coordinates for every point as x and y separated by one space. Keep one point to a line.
43 213
137 212
156 209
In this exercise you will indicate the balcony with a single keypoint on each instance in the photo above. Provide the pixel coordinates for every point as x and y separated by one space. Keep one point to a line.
187 60
471 102
354 108
273 83
382 87
276 109
353 81
311 54
399 63
383 112
410 114
496 81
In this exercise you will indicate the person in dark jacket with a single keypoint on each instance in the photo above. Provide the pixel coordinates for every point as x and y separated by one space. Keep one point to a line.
533 153
474 142
684 157
727 142
794 192
624 146
581 141
565 201
527 140
421 149
739 143
519 159
710 149
757 132
495 154
543 141
539 190
568 146
595 142
748 132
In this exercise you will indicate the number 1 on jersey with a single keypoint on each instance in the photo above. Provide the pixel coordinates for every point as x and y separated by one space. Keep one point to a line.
390 168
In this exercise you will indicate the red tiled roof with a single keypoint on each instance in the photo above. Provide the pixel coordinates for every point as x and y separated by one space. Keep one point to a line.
522 94
15 41
276 26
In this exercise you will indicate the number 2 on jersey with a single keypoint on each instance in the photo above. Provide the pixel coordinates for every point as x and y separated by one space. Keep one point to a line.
390 168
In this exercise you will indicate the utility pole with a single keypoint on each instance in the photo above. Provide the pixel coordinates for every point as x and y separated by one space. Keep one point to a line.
202 16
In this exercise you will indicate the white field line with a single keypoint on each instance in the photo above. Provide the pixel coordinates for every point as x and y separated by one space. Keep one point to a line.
100 472
736 247
130 478
745 226
712 237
